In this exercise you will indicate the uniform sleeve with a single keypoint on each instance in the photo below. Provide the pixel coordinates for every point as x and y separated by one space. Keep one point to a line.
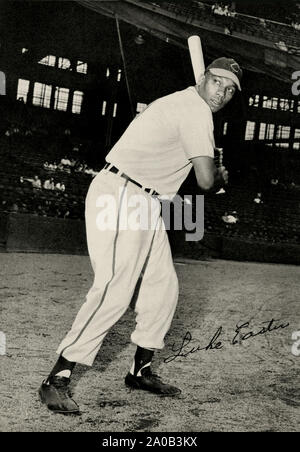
196 133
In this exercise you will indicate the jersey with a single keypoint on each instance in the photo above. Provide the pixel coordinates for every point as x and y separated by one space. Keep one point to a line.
157 147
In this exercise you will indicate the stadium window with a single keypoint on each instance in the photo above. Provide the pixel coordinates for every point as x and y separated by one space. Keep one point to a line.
270 129
225 128
119 75
270 102
266 131
140 107
283 132
115 110
41 95
254 101
77 102
48 60
23 88
61 98
81 67
266 102
262 131
64 63
282 145
286 105
250 129
2 83
104 108
296 146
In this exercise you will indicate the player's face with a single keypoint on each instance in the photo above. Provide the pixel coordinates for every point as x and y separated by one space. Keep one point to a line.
216 91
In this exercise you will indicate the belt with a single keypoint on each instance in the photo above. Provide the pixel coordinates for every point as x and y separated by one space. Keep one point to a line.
115 170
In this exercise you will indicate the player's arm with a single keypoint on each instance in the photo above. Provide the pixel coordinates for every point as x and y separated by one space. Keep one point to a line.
208 175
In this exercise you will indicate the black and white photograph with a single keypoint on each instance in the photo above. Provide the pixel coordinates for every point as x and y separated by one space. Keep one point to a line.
149 219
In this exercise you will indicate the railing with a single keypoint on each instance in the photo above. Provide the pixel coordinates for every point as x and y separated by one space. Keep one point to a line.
283 36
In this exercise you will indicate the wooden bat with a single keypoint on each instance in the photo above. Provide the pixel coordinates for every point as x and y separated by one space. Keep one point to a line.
196 54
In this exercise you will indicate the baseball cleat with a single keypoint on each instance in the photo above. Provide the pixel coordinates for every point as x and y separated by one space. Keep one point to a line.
151 382
55 393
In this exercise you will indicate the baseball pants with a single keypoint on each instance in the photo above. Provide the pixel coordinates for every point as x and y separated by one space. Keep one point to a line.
121 250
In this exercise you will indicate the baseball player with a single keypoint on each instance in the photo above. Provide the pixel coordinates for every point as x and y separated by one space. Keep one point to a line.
152 158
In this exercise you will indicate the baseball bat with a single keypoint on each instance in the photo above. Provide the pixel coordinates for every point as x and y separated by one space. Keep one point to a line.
196 54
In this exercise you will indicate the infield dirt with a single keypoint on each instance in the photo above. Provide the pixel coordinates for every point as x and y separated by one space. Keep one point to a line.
253 385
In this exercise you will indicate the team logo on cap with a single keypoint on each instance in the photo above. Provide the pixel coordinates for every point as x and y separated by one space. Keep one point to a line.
235 67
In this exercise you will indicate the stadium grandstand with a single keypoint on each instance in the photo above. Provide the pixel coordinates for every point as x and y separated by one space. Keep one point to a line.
70 86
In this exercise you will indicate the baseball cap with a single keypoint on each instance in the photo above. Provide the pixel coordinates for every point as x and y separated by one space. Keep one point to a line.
227 67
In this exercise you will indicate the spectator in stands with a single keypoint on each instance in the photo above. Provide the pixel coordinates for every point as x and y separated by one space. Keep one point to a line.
222 10
60 186
282 46
79 168
52 184
65 161
91 172
46 165
35 181
230 218
49 184
15 130
52 166
219 9
296 25
262 22
23 208
258 199
77 147
14 208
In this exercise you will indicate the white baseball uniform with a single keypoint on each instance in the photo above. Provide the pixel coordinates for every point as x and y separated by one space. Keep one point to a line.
155 151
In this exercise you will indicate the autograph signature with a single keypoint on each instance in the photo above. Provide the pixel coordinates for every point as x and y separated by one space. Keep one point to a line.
186 348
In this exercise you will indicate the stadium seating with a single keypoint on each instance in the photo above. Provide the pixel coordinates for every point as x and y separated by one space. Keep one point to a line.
275 220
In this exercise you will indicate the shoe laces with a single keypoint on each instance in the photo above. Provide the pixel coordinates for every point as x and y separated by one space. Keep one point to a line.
147 372
61 384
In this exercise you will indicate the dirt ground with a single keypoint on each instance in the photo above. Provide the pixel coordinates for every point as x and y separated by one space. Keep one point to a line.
253 385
